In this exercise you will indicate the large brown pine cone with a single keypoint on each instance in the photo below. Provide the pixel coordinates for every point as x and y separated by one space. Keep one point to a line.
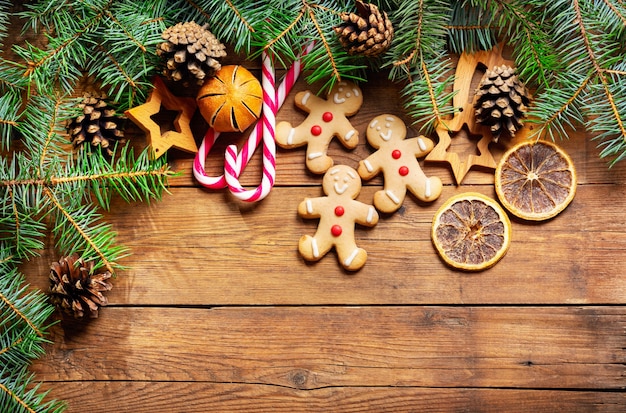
367 32
97 125
191 53
76 289
501 101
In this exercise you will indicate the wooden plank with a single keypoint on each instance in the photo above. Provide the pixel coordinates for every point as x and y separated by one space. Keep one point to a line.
149 397
196 248
318 347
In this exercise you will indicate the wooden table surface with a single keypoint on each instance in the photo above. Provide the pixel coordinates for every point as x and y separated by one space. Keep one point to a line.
218 312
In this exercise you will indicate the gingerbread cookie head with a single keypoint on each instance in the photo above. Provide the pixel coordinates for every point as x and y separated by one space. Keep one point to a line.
343 181
347 96
385 128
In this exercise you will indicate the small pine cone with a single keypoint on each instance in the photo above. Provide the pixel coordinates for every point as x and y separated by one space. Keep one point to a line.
367 32
501 101
191 53
98 124
75 290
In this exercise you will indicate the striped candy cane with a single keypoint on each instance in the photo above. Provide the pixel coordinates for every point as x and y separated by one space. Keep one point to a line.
236 162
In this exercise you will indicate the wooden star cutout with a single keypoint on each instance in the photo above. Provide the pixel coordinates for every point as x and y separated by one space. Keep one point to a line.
466 67
182 137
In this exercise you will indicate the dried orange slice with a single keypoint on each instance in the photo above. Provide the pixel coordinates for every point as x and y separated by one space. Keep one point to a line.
471 232
535 180
231 100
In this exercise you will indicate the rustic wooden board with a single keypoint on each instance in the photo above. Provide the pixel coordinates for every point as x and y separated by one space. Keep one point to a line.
198 248
345 346
202 397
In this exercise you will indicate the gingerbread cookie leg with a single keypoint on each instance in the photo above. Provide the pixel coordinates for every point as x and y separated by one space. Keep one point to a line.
427 190
389 199
350 256
313 248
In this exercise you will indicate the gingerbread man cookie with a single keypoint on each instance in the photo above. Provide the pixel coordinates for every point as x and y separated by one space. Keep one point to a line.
397 157
338 213
326 119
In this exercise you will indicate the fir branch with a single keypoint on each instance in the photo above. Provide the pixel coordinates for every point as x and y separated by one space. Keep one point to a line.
80 228
18 394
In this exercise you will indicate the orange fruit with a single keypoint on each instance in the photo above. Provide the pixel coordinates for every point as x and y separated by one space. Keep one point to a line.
231 100
535 180
471 232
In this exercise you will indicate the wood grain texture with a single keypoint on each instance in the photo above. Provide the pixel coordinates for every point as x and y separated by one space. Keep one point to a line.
203 397
200 248
318 347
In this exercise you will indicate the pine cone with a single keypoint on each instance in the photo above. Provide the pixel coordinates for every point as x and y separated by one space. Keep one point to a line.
97 125
367 32
191 53
501 101
75 290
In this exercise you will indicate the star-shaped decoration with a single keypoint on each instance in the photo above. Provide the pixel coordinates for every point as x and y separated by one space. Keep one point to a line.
466 67
180 138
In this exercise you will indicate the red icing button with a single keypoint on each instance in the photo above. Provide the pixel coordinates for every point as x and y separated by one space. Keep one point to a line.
396 154
404 171
327 116
336 230
316 130
339 211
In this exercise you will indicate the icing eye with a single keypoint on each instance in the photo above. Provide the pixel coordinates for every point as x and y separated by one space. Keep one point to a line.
346 179
378 128
387 125
341 89
348 95
336 178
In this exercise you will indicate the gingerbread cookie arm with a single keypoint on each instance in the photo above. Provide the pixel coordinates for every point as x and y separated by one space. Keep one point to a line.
345 132
365 214
370 166
421 146
306 100
311 207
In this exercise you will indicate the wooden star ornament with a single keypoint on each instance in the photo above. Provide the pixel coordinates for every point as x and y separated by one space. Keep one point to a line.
466 67
180 138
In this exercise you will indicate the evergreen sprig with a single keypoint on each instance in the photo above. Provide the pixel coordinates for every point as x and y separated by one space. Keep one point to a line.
23 327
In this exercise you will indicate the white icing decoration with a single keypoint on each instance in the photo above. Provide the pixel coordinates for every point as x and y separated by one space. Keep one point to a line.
348 95
316 251
422 144
392 196
305 98
351 258
368 165
370 215
315 155
334 171
377 127
355 91
387 125
352 175
350 134
427 191
340 89
340 189
346 179
292 133
337 99
386 136
309 206
389 118
374 122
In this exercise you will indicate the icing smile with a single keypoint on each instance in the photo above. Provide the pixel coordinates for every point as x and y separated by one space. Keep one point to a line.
386 136
340 189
